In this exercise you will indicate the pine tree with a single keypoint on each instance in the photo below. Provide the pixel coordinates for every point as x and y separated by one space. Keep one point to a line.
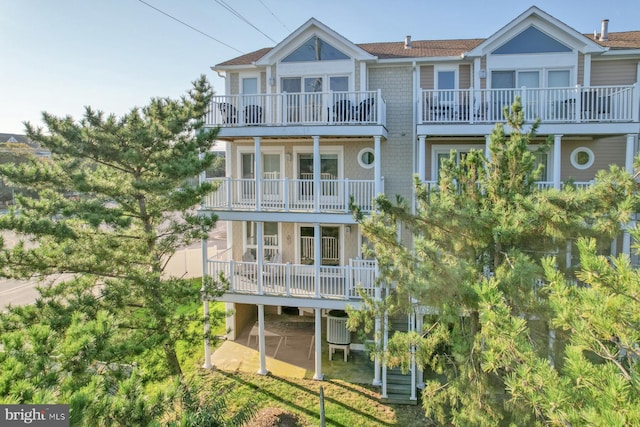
111 207
478 244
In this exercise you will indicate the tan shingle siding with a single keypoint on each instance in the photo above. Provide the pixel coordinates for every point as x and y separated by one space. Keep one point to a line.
426 77
621 72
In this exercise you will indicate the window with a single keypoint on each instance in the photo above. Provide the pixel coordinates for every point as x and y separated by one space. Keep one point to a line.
329 246
339 83
366 158
443 154
270 239
446 79
315 49
531 40
250 86
582 158
558 78
541 159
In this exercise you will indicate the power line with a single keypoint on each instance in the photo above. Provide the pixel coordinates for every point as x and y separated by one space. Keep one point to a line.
274 15
239 15
187 25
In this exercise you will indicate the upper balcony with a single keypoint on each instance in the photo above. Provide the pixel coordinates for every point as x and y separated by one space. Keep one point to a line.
359 113
291 195
588 106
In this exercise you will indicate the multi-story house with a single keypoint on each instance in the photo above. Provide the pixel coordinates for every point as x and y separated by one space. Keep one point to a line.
318 120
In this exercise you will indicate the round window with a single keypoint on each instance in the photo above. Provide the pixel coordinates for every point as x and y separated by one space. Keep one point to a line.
582 158
366 158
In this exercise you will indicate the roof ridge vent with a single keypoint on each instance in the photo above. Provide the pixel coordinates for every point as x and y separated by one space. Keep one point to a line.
407 42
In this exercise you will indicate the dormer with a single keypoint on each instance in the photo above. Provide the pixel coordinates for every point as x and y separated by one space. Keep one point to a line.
314 58
533 50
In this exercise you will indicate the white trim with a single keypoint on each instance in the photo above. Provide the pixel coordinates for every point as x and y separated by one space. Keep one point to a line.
331 149
341 239
361 162
574 160
251 75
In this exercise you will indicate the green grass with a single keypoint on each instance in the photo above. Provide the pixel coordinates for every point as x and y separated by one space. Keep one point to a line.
346 404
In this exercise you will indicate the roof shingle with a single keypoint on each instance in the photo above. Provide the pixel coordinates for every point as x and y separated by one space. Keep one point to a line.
440 48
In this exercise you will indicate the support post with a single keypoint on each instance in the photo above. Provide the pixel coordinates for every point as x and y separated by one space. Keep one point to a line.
316 174
377 338
261 342
385 339
377 165
257 159
557 153
318 335
205 301
422 158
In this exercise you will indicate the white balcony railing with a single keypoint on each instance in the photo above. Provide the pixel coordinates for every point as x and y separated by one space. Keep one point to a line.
562 105
540 185
291 109
298 280
291 195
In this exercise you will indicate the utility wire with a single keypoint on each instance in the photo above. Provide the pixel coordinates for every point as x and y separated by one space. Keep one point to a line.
274 15
239 15
187 25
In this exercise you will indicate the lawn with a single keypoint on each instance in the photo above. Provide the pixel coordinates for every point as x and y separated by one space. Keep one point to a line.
346 404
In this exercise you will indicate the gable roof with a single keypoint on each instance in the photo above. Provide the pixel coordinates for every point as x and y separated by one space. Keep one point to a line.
540 18
316 27
446 48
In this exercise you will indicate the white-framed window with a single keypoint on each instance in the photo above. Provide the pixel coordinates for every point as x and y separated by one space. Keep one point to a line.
271 241
331 244
366 158
582 158
441 153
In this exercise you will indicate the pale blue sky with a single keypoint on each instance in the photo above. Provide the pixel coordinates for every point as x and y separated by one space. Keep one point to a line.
60 55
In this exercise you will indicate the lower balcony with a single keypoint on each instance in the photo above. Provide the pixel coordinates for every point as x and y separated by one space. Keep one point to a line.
298 280
540 185
291 195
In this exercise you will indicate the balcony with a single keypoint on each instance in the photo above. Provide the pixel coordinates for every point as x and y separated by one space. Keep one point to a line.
291 195
540 185
595 104
298 109
298 280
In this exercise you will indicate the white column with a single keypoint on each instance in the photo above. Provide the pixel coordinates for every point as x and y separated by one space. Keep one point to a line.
586 81
317 257
261 343
419 326
412 328
557 150
205 302
552 341
422 158
630 151
259 255
628 164
316 173
385 340
318 373
377 337
258 171
487 143
377 165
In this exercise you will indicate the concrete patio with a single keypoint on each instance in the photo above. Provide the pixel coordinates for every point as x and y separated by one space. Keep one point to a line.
290 353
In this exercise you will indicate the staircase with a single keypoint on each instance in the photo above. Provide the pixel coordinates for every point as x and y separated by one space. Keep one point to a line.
398 384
